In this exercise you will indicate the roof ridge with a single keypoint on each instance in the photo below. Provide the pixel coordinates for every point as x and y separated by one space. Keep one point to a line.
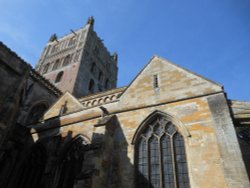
34 73
45 82
14 53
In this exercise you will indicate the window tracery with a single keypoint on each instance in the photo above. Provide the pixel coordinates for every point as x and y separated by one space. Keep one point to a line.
160 156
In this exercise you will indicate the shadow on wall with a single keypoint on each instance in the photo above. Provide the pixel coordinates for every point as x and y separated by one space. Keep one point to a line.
57 161
114 167
243 134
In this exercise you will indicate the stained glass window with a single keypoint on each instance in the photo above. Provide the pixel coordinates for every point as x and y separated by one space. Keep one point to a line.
160 156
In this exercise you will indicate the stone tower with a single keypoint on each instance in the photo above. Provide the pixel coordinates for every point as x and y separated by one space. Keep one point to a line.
79 62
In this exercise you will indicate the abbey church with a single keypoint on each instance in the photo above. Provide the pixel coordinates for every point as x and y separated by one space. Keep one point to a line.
65 124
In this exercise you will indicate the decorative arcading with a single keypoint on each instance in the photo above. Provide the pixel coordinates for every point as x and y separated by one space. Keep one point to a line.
102 97
101 100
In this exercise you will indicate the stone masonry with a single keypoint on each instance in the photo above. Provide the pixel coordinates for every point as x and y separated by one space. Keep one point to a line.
82 60
199 112
168 128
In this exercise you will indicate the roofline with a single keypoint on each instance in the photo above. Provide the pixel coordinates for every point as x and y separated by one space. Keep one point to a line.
190 71
138 74
156 56
33 73
45 82
55 102
234 100
14 53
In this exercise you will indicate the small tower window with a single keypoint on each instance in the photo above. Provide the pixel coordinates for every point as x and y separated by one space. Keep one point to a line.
91 86
56 65
77 54
107 83
59 77
45 69
93 67
99 87
66 60
100 76
155 82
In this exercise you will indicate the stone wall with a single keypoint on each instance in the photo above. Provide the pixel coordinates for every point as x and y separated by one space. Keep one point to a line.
13 76
24 96
205 159
86 51
196 106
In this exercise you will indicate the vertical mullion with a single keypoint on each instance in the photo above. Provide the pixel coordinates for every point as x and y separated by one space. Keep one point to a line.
173 160
160 161
148 158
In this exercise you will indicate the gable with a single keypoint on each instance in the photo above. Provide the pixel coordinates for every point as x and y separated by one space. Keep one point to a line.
174 83
70 103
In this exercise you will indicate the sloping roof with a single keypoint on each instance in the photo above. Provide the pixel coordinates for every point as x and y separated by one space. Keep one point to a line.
66 101
46 83
163 59
43 81
173 83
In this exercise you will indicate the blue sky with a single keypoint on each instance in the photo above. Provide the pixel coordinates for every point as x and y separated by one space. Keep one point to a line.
209 37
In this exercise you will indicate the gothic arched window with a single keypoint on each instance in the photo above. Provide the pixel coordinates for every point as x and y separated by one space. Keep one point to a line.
92 69
160 157
100 76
